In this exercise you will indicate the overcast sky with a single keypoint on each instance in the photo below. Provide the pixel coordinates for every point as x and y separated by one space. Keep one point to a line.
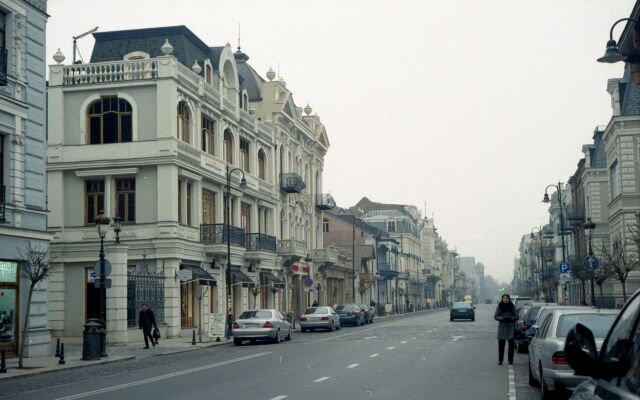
470 106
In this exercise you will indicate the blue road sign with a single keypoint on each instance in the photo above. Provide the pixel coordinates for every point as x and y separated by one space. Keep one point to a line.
591 262
565 268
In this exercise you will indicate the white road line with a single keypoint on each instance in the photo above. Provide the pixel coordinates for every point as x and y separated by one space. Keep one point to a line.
279 398
422 334
353 365
403 342
391 348
512 384
162 377
324 378
456 338
374 355
413 338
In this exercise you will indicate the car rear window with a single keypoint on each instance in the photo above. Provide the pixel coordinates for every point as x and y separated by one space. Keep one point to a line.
255 314
532 313
316 310
461 305
346 307
599 324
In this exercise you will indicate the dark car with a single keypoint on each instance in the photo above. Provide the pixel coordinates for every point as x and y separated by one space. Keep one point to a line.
613 371
351 314
462 310
524 334
368 313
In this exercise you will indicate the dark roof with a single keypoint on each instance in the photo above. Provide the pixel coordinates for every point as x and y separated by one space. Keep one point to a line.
368 205
598 155
250 78
188 48
629 94
626 38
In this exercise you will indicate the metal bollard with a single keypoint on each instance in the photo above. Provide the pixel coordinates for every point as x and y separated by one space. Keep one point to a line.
193 340
61 360
3 362
57 347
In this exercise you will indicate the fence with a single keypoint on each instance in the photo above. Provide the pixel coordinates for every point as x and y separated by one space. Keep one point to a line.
145 287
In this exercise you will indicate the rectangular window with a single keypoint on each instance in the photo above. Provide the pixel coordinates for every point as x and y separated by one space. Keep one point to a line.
126 199
325 225
244 155
208 207
213 299
189 186
245 217
208 130
208 73
391 226
179 202
187 301
614 176
93 200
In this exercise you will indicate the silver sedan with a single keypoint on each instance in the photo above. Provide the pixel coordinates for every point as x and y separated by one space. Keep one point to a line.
319 318
261 324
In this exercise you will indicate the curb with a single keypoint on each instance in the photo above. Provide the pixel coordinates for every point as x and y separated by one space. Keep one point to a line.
72 367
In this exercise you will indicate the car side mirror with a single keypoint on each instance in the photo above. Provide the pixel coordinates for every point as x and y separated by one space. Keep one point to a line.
581 352
528 322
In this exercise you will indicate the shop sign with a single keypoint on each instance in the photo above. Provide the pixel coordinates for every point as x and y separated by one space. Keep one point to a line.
8 271
216 325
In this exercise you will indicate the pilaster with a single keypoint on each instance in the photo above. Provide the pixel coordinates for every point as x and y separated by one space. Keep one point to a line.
117 328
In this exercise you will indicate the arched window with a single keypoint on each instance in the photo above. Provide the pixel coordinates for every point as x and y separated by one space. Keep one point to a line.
184 129
110 121
262 165
228 147
208 134
208 73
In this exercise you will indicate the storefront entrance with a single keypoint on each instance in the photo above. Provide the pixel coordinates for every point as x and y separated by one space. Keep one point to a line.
9 300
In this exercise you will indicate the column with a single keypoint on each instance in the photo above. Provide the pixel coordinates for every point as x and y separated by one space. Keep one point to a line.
196 207
167 193
219 196
171 296
57 298
117 328
255 216
109 206
183 201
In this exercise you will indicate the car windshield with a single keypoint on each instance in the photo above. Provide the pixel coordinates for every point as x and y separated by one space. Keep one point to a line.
253 314
316 310
345 307
530 315
461 305
598 323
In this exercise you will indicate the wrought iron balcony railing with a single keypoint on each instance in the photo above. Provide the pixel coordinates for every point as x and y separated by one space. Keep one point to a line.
216 234
3 215
325 202
385 268
3 66
260 242
291 182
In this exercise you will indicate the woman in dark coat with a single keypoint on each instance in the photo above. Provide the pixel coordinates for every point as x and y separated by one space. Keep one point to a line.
506 316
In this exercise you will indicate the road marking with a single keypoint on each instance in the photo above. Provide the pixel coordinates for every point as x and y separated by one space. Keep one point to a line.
413 338
512 384
456 338
163 377
353 365
279 398
391 348
403 342
324 378
374 355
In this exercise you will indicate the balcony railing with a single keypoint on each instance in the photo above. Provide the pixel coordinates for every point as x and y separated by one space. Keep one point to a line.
216 234
387 269
325 202
115 71
326 255
366 277
260 242
292 247
575 213
291 182
3 215
3 66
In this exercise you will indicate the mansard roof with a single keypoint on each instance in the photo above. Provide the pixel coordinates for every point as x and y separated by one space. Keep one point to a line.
188 48
629 94
251 81
598 155
368 205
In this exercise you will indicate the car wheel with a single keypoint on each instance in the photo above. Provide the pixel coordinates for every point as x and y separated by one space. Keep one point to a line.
473 319
532 380
288 335
277 338
237 341
332 328
521 349
451 319
303 330
545 393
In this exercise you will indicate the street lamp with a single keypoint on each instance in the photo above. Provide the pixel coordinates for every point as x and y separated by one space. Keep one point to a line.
612 54
243 185
102 223
540 258
589 226
546 199
117 222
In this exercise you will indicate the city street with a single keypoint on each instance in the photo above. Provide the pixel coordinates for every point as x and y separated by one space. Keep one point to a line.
414 356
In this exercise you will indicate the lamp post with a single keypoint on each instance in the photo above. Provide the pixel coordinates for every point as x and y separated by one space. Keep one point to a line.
546 199
612 54
540 254
588 225
102 223
117 224
353 259
227 228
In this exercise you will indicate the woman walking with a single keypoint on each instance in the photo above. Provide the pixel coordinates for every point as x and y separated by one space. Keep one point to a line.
506 316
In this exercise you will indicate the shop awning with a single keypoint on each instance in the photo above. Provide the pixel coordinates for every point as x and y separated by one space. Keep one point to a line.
200 275
241 278
275 281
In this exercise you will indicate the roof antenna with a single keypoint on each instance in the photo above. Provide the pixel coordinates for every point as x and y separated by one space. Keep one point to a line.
75 40
238 36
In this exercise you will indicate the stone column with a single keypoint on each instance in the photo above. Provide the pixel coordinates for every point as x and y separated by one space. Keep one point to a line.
117 254
171 296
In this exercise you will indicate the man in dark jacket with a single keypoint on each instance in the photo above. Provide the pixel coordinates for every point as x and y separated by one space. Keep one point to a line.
146 320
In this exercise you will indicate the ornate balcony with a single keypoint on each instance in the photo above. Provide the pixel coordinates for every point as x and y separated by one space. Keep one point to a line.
105 72
292 248
327 255
216 234
260 242
291 183
3 66
575 213
3 215
366 277
387 270
325 202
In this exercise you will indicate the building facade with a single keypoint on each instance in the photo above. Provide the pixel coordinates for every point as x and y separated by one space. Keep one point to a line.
23 195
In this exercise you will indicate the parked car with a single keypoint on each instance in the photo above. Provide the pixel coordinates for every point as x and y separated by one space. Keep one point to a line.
261 324
525 321
350 314
319 318
613 372
368 313
547 364
462 310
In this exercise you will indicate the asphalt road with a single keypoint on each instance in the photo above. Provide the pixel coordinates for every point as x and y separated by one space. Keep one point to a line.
415 356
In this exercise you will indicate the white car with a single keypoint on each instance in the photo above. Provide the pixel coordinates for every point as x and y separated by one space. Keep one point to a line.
547 364
319 318
253 325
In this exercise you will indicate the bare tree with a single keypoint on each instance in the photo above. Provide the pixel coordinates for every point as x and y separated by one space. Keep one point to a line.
35 267
619 262
600 276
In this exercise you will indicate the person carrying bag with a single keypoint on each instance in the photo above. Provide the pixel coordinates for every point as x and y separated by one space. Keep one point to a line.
506 316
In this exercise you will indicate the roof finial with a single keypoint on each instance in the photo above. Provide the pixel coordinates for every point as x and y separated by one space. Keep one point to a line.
238 36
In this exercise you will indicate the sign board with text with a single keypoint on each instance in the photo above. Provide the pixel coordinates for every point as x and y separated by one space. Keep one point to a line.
216 325
184 275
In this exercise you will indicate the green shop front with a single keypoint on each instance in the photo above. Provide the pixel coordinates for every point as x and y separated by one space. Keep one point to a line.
9 300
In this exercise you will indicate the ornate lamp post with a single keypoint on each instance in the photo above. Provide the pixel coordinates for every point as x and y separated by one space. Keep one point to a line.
243 185
591 261
102 223
546 199
541 266
612 54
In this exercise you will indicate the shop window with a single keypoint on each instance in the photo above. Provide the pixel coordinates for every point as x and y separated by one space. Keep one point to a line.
126 199
110 121
94 200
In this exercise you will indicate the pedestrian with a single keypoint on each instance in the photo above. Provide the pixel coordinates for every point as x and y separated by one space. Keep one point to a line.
146 320
506 316
315 303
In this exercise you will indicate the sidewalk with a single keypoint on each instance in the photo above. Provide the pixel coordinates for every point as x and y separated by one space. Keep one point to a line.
73 355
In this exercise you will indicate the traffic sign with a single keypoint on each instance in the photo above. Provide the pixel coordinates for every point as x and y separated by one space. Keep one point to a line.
308 282
97 267
565 267
99 283
591 262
